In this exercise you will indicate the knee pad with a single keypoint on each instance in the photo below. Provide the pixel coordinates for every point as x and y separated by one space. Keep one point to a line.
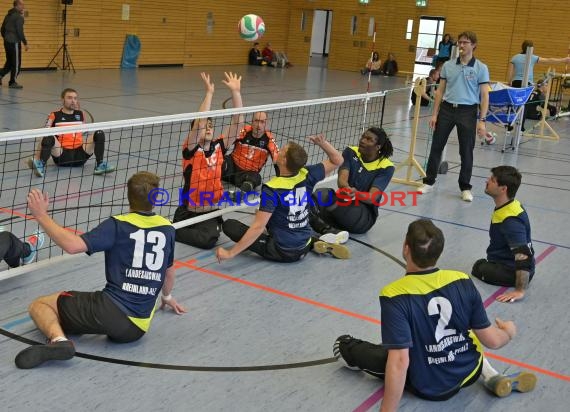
48 141
99 136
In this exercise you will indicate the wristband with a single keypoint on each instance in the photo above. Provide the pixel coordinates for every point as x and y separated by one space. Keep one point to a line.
167 298
482 119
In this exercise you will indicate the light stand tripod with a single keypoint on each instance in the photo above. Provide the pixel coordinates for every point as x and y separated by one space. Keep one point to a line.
67 64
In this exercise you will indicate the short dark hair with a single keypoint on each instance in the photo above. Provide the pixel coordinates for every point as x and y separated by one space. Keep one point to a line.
67 90
138 188
508 176
295 157
469 35
526 44
425 241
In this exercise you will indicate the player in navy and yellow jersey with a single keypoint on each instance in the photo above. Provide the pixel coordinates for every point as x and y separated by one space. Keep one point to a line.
366 168
251 150
433 324
70 149
284 209
202 162
510 255
139 256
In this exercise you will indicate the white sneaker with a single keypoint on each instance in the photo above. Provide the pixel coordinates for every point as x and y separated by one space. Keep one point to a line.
425 188
467 196
337 238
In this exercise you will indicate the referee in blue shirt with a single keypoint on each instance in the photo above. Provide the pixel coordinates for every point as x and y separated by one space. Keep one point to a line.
461 101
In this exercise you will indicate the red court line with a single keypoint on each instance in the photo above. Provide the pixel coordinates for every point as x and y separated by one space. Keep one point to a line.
280 292
528 366
31 217
371 400
13 212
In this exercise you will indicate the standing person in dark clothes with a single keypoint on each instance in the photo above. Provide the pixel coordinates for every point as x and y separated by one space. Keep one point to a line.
13 33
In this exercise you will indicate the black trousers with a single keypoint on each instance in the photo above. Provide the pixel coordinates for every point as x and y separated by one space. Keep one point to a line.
372 359
464 117
12 250
495 273
265 245
352 218
231 173
13 61
203 235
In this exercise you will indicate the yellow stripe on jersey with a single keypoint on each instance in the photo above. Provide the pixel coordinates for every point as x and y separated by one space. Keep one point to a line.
143 323
288 182
479 349
512 209
142 221
375 164
422 284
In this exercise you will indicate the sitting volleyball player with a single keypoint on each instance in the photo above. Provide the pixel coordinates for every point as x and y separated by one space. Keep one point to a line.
15 252
69 149
284 209
510 255
433 324
366 170
203 156
139 257
251 151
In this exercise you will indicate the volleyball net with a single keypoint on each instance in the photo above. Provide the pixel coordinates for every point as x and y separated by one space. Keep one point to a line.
80 199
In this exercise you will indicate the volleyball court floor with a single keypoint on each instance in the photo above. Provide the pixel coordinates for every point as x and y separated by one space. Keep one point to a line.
258 335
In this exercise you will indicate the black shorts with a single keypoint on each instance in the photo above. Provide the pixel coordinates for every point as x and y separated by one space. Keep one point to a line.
72 157
95 313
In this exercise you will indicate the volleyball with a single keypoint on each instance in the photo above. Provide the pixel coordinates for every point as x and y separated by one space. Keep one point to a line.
251 27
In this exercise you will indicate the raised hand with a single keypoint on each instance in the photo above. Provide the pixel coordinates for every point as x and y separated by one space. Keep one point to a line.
233 81
207 82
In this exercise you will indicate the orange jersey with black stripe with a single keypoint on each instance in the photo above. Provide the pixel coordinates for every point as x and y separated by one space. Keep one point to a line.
250 153
203 171
59 118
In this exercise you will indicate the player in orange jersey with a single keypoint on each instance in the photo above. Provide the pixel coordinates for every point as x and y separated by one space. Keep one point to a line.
203 157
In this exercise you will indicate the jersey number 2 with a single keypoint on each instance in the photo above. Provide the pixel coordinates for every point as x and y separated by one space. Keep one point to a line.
442 307
152 259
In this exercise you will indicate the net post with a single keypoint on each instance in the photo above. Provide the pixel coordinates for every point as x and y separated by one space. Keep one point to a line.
411 163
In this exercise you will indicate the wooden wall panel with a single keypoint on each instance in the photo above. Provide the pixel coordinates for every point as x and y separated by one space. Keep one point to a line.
176 31
500 26
222 44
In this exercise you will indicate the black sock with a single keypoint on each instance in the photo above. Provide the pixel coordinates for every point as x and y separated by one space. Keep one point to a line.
99 140
48 143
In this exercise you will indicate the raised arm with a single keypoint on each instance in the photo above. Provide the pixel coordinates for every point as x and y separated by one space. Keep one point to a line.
233 82
553 60
199 129
334 160
38 203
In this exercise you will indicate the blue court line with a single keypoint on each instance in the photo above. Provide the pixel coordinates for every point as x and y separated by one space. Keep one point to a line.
16 322
470 227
